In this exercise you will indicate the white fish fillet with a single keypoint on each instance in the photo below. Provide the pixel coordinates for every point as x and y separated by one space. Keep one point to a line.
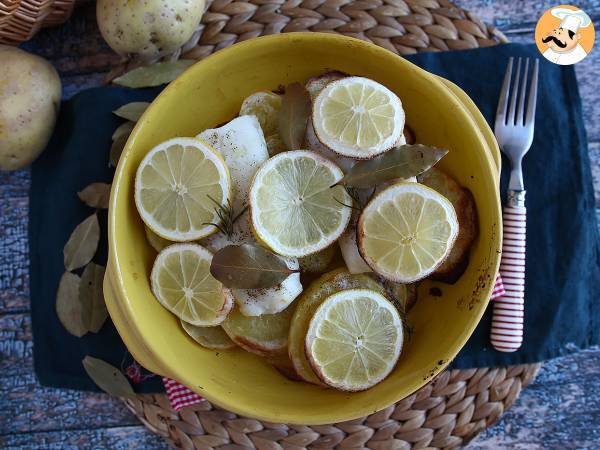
242 144
256 302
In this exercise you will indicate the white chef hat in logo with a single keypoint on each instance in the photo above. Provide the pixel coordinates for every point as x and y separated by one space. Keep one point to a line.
572 19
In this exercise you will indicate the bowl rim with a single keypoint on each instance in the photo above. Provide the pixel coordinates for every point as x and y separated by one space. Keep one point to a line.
125 314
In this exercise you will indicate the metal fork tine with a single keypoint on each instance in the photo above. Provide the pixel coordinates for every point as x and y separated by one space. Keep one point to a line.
520 120
503 101
532 100
513 95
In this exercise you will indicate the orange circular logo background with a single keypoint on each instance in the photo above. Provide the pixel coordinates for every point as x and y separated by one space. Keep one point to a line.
548 22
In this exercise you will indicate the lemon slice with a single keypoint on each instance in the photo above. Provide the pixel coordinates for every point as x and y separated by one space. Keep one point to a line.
265 335
348 243
358 117
308 303
213 338
313 144
182 283
293 208
354 339
174 185
406 231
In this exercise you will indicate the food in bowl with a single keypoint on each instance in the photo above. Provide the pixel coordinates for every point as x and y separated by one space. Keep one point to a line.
314 180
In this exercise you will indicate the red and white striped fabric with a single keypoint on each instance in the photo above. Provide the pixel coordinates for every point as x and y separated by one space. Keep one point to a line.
507 319
179 395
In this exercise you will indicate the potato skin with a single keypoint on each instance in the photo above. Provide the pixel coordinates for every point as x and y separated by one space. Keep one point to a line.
29 101
148 28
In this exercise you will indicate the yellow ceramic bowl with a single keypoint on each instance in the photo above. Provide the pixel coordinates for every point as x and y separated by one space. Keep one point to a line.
210 93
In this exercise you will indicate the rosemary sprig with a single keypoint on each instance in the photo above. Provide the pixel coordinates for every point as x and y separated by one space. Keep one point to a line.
227 217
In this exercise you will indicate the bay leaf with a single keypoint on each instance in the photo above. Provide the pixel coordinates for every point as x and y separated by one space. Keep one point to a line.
132 111
107 377
91 297
248 267
96 195
116 149
81 246
68 307
125 128
154 75
400 162
293 116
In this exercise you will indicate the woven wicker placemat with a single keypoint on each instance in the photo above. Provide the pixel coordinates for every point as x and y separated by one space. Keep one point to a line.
20 20
455 406
401 26
447 413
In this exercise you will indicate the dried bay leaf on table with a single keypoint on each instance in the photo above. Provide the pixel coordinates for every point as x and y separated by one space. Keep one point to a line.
123 129
132 111
248 267
116 149
154 75
107 377
400 162
294 115
92 298
82 244
68 307
96 195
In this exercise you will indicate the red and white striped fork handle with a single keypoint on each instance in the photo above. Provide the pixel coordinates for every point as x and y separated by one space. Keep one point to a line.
507 320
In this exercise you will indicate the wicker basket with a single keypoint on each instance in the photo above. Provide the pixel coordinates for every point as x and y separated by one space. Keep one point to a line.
458 404
20 20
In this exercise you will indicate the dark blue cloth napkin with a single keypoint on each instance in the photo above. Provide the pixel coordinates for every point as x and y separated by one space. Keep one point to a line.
563 249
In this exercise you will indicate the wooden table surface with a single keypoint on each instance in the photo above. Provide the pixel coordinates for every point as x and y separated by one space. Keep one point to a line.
560 410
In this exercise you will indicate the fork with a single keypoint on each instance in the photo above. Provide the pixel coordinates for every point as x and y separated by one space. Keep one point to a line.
514 133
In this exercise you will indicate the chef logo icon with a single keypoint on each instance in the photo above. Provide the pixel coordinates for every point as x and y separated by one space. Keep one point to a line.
564 35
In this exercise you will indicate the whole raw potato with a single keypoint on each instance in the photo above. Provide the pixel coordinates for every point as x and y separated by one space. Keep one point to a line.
148 28
29 102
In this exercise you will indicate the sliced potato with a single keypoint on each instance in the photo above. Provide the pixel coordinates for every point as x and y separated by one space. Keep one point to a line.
397 292
318 262
402 295
307 304
156 242
213 338
283 364
314 85
412 291
265 335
